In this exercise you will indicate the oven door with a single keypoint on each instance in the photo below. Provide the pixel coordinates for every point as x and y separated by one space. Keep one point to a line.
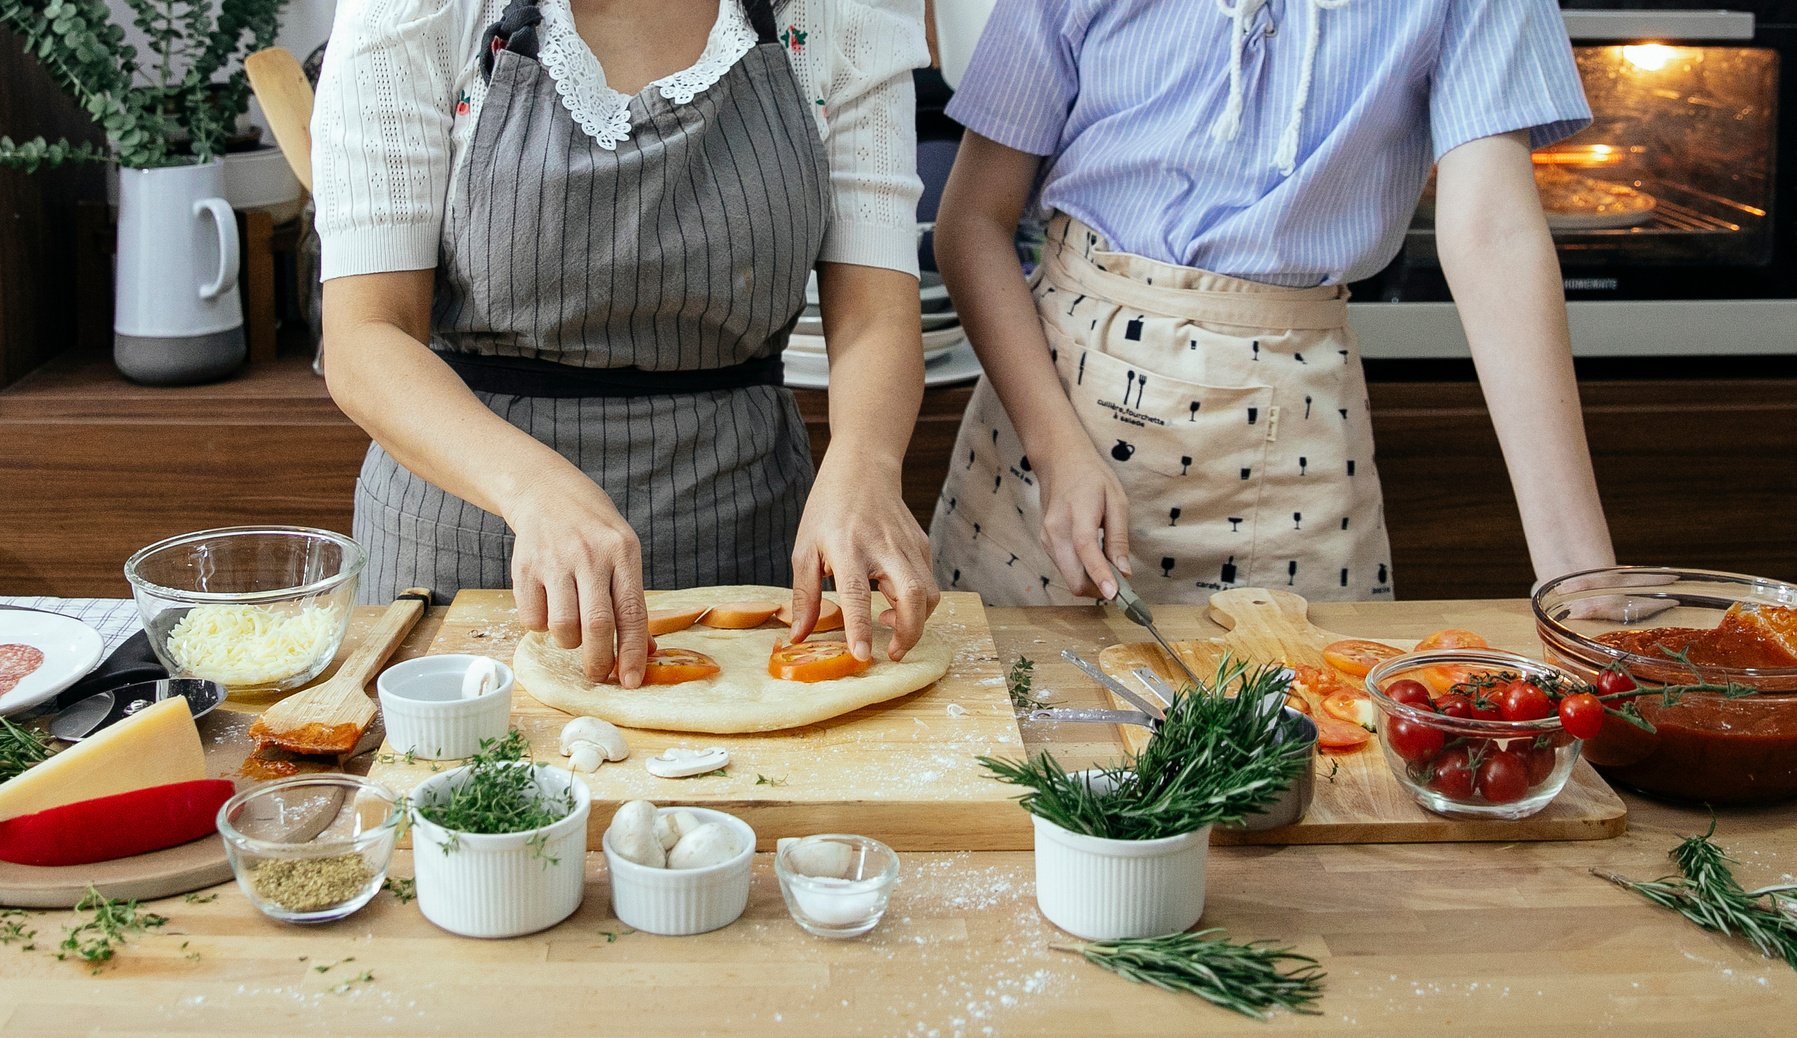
1673 226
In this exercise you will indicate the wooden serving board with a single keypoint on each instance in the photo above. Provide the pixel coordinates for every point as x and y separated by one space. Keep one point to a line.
903 771
1358 800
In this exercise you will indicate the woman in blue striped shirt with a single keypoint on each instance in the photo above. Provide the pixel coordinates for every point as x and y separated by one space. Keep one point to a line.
1176 391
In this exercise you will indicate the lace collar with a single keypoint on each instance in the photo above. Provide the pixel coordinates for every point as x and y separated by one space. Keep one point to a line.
604 113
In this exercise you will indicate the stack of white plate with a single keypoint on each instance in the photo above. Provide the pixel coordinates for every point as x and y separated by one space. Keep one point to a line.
947 357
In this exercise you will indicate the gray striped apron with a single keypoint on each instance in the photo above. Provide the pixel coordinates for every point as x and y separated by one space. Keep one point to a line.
628 308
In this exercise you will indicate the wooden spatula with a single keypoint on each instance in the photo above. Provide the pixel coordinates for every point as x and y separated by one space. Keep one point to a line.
285 95
331 716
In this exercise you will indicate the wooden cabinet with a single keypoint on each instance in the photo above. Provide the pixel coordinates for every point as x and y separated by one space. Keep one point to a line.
1695 467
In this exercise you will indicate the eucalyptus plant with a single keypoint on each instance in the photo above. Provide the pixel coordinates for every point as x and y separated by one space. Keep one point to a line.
175 106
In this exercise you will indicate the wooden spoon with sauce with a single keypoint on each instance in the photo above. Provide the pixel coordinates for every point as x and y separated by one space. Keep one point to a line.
330 717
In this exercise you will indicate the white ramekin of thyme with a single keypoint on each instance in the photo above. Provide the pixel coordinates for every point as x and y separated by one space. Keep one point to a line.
312 848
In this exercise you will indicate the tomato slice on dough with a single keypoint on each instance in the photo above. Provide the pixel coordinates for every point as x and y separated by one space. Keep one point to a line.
1356 656
672 666
829 616
667 621
738 616
814 661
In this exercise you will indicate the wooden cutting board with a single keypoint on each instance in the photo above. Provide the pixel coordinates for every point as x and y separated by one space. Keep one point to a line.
1358 800
903 772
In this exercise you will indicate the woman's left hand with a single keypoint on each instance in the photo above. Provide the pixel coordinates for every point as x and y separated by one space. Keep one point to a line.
857 529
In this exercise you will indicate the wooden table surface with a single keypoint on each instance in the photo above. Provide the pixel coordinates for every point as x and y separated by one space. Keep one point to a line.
1447 939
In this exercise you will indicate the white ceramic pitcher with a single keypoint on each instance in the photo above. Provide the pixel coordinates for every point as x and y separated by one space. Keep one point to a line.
177 316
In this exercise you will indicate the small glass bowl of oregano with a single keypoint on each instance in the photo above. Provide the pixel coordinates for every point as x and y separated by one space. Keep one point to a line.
1121 850
311 848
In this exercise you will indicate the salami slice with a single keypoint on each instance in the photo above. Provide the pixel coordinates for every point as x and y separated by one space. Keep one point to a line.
16 664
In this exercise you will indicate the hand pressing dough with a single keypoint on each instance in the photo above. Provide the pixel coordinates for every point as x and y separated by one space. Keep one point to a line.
742 697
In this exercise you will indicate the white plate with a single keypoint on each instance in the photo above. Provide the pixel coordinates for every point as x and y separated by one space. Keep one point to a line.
957 363
940 319
941 339
70 648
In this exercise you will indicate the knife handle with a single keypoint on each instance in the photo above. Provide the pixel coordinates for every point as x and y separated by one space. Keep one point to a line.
1127 600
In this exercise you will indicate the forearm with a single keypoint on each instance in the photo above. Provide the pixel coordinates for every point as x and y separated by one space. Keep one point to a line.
382 375
1516 325
872 326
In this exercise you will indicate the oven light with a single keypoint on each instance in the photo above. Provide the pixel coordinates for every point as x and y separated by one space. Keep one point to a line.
1648 57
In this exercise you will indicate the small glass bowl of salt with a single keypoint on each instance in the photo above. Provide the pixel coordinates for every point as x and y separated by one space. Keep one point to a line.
836 885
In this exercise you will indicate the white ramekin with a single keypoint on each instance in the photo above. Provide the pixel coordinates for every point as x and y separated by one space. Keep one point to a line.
425 714
1103 890
505 885
678 902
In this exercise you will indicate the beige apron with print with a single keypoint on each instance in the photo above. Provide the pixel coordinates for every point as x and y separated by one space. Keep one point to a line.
1234 413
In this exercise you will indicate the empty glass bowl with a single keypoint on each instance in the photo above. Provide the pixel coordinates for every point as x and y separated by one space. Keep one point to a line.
259 609
849 898
313 848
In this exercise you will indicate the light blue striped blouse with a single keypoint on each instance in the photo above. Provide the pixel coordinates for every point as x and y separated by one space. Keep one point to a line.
1124 97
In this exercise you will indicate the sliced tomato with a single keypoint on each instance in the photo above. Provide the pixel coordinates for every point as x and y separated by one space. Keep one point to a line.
1442 680
814 661
739 616
1315 680
829 616
1353 708
1452 638
1298 703
1356 656
1333 733
672 666
667 621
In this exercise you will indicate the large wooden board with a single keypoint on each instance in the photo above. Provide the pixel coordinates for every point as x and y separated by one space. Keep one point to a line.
1358 800
903 771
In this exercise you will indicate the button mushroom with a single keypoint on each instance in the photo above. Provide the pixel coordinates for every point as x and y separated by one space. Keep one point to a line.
824 859
632 835
670 827
481 677
588 741
709 844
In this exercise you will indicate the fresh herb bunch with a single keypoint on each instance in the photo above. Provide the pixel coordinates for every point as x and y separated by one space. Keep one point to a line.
95 940
498 795
1245 978
20 749
1706 892
1213 759
171 110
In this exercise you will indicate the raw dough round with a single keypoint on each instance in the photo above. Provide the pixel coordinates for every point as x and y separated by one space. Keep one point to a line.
742 697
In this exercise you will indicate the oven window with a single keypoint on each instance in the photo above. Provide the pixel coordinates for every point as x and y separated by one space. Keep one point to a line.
1675 169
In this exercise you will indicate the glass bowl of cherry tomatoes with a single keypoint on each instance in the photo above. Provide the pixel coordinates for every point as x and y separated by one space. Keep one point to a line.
1481 733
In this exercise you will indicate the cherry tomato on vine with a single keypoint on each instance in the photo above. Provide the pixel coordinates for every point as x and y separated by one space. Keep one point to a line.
1410 693
1582 715
1452 774
1414 741
1540 761
1503 777
1614 682
1455 704
1485 705
1522 701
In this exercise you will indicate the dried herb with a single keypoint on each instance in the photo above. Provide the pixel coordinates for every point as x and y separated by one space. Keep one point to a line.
1215 758
311 884
20 749
95 940
1245 978
1706 892
500 794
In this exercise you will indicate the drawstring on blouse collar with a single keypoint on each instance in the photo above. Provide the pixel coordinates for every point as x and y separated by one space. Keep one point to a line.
1229 121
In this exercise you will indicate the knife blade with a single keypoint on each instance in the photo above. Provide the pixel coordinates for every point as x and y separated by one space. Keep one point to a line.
1116 687
1094 716
1138 612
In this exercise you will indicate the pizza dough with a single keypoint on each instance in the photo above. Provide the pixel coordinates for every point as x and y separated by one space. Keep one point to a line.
1574 201
742 697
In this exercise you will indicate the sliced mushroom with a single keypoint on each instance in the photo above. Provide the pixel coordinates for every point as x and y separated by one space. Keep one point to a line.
481 677
670 827
709 844
682 762
632 835
601 734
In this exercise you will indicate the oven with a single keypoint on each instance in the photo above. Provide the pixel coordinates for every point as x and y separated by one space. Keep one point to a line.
1674 214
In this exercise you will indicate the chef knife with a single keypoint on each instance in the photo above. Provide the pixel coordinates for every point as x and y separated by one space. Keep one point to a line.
1137 610
1095 716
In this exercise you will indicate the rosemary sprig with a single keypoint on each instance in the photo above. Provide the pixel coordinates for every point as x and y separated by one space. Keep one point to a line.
498 796
1018 683
1213 759
1245 978
94 940
20 748
1707 893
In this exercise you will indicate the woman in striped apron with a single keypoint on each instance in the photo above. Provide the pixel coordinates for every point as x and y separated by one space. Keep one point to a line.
558 307
1177 391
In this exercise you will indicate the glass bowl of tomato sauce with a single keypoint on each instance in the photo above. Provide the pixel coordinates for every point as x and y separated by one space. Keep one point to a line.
1475 733
1648 628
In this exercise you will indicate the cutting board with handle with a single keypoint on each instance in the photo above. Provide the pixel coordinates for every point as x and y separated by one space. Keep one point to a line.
1358 799
903 772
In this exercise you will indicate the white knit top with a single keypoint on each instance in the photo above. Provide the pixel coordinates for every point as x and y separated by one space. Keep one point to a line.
402 87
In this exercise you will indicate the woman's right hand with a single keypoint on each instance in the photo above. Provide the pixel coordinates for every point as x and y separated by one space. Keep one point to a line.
1085 517
577 572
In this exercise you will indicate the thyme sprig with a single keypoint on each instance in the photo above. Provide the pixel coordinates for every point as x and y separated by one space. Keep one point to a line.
1213 759
499 795
20 749
1246 978
95 940
1018 683
1706 892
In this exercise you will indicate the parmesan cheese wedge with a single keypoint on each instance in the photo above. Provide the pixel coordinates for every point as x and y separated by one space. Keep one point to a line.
155 747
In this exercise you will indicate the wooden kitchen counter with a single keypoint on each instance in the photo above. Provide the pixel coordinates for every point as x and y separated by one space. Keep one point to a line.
1450 939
